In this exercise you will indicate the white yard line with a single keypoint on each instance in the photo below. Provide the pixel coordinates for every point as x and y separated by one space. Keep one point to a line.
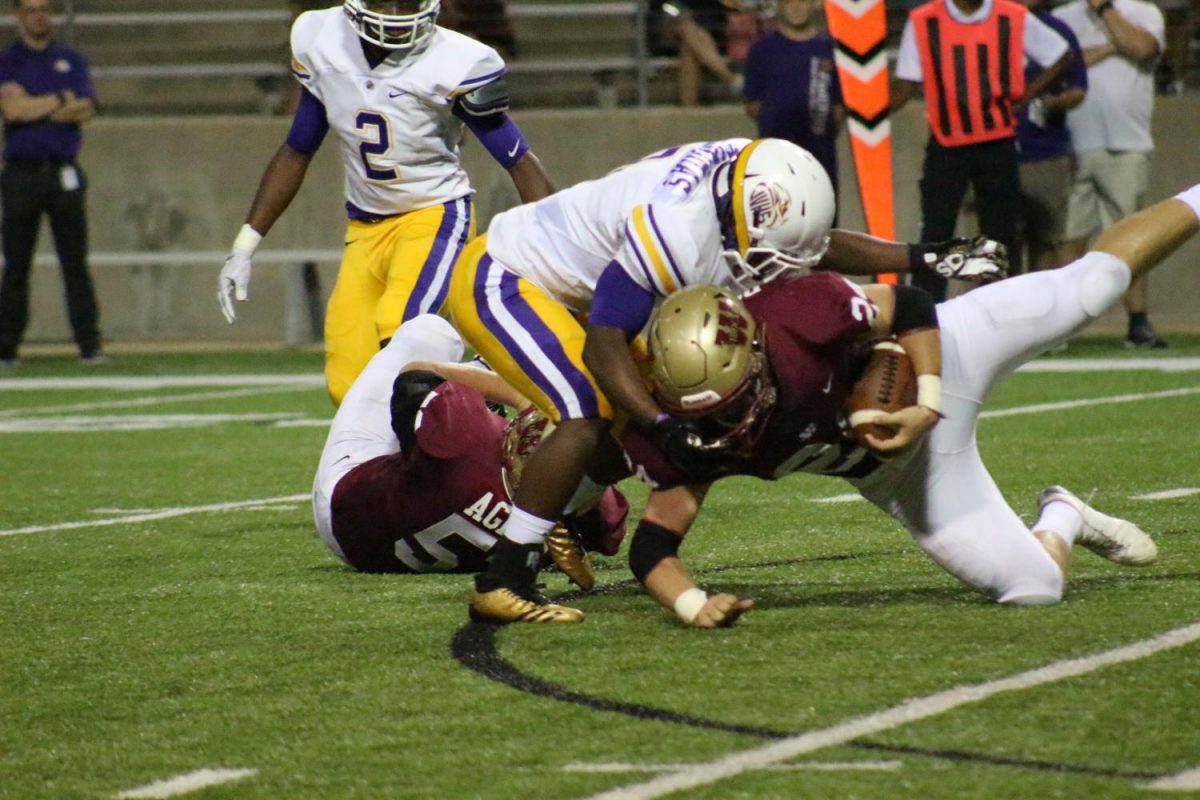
157 400
1037 408
128 422
1169 494
1180 364
815 766
129 382
1186 781
908 711
166 513
189 782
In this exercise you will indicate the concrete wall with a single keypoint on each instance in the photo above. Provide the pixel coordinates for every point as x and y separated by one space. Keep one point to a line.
185 184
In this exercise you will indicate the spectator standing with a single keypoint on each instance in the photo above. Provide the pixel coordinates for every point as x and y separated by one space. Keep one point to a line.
969 54
791 89
1110 130
1044 151
46 96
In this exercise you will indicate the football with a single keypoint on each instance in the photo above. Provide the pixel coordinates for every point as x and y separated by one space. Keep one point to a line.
887 384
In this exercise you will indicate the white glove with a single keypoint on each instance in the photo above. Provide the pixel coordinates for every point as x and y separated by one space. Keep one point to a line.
234 280
980 260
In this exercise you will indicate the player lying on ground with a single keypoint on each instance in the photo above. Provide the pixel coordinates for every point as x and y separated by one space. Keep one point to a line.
417 474
796 346
728 212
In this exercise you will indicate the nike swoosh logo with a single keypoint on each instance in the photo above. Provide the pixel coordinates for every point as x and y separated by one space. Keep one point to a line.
828 384
516 147
394 95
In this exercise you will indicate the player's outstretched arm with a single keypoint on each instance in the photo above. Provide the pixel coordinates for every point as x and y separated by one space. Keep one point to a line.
279 183
1143 240
978 259
530 178
654 560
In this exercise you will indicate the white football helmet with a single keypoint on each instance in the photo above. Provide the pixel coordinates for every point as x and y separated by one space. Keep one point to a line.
783 207
393 24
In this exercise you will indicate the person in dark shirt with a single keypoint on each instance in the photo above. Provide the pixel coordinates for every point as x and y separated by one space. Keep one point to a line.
46 96
1044 150
791 86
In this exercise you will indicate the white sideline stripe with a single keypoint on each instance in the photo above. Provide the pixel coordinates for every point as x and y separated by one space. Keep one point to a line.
816 766
839 498
908 711
1095 401
1169 494
150 401
188 782
166 513
128 422
1186 781
160 382
1179 364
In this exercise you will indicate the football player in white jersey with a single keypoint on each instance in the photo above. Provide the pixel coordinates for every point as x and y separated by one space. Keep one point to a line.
939 488
397 91
733 212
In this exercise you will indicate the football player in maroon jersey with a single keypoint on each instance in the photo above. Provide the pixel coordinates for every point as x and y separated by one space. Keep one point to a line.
417 473
794 347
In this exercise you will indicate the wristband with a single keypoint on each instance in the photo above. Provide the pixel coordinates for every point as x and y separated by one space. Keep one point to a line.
689 603
929 393
247 241
1192 198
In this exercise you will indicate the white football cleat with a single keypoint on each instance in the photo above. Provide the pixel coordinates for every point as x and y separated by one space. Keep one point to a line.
1118 540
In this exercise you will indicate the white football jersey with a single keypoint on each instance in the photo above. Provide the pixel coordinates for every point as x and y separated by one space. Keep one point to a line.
656 217
398 137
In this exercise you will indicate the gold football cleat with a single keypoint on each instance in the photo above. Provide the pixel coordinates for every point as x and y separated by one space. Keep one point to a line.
505 605
570 557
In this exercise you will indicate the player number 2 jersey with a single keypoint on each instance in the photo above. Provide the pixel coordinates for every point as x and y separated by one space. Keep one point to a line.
399 140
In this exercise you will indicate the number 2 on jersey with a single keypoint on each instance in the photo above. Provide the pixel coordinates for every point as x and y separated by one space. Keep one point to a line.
377 136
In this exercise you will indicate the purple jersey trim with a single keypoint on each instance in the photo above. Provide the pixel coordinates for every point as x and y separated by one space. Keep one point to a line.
472 83
309 125
619 302
662 242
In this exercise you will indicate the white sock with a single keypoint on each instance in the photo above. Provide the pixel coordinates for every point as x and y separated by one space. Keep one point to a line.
1192 198
1061 518
525 528
587 494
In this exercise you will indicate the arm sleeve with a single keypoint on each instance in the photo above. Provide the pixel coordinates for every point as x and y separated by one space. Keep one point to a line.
497 133
309 126
908 60
620 303
1042 43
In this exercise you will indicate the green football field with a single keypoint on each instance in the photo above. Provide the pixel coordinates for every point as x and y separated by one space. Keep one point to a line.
172 626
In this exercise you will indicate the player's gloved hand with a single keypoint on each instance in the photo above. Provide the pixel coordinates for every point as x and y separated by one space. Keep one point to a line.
978 259
686 448
234 280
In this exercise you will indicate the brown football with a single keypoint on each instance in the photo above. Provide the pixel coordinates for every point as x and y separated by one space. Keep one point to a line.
887 384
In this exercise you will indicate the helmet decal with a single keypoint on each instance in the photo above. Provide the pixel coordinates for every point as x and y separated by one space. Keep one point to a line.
769 205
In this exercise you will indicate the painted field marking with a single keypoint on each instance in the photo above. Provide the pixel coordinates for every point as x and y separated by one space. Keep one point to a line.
909 711
1037 408
1169 494
1181 364
165 513
131 382
1186 781
815 766
157 400
128 422
188 782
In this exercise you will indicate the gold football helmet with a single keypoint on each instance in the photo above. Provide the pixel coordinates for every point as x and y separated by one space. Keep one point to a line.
522 434
707 361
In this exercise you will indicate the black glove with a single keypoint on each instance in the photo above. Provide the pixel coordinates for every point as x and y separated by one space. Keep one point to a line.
680 439
979 259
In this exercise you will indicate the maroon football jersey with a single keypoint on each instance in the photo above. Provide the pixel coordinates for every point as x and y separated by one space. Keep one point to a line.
810 327
438 508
